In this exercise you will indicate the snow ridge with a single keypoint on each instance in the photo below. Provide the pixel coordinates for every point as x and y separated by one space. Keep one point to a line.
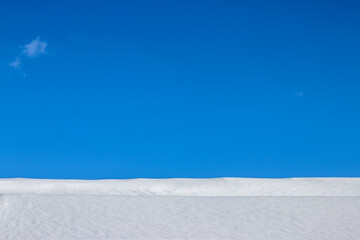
187 187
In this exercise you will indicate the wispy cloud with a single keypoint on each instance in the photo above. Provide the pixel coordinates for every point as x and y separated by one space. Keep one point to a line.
299 93
15 64
33 49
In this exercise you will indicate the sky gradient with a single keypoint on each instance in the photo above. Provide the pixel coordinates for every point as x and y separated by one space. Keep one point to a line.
128 89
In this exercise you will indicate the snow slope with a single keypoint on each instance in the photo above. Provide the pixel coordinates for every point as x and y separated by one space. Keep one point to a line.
230 208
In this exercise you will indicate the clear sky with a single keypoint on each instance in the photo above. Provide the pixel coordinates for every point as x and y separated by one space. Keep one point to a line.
180 88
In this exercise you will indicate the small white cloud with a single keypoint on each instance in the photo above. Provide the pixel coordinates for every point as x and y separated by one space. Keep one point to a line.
31 50
15 64
35 48
299 93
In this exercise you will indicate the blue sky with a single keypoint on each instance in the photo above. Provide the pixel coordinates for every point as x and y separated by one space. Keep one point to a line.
126 89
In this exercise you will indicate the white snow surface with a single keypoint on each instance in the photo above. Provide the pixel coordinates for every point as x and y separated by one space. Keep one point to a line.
188 187
221 208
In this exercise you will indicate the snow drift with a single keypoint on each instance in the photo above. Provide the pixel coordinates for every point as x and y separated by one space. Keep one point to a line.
189 187
227 208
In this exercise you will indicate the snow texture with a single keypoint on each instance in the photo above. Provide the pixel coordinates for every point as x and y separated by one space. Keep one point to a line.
224 208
